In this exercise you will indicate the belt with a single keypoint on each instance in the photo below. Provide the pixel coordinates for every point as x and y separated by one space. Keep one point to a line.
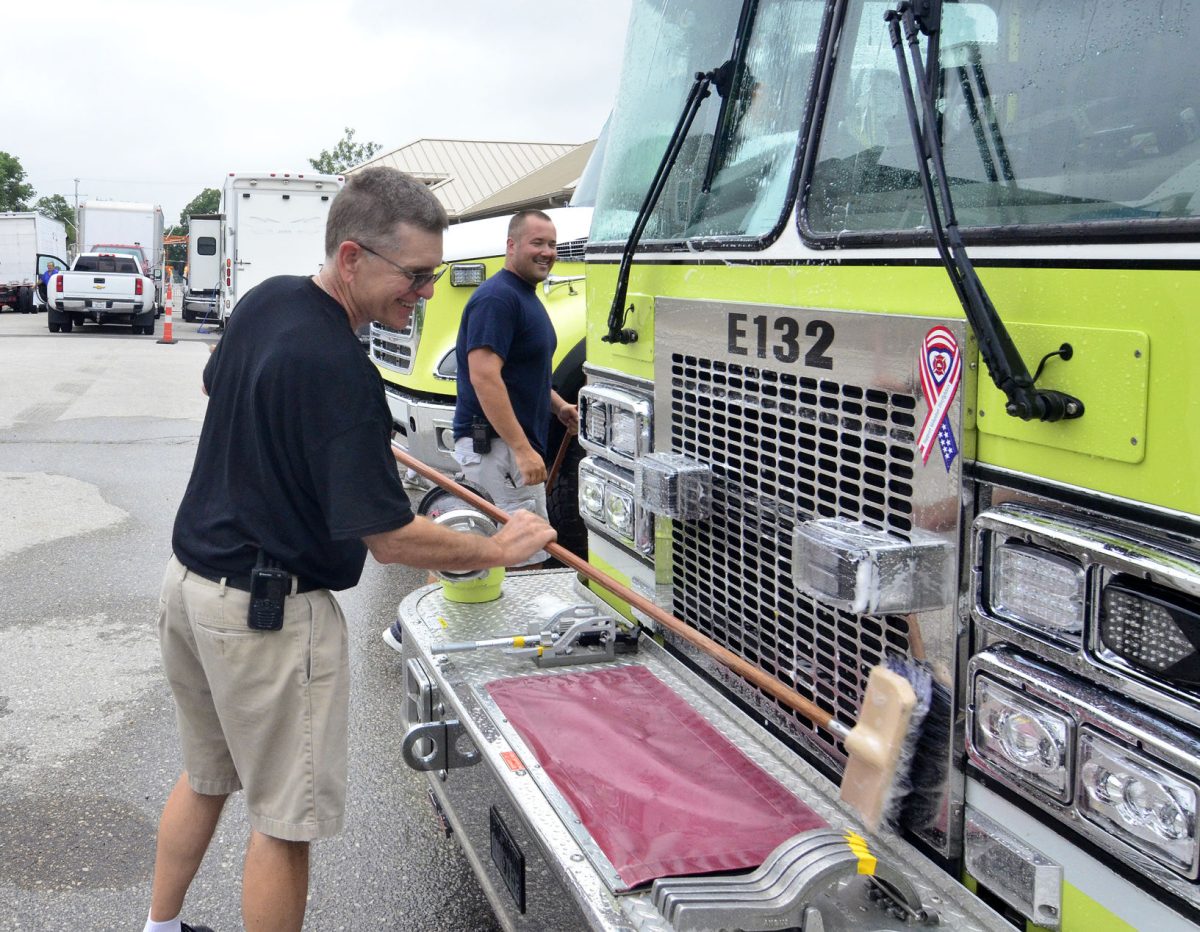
242 581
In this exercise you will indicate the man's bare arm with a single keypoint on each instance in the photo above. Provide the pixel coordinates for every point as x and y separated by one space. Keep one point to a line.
429 546
485 366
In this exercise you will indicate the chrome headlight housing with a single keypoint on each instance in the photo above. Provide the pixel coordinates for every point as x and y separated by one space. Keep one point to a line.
1028 739
1138 799
606 502
615 423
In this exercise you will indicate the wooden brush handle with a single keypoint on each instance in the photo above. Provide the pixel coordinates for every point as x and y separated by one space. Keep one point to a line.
728 658
558 460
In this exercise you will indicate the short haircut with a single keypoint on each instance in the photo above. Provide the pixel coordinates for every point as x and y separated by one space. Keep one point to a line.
373 202
519 218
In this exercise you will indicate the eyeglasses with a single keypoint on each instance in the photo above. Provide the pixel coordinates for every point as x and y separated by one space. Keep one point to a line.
418 279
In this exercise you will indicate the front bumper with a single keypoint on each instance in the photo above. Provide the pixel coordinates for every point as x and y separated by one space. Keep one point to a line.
539 850
423 428
113 306
201 304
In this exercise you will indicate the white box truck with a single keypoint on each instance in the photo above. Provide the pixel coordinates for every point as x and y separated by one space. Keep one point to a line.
203 268
274 225
105 225
24 234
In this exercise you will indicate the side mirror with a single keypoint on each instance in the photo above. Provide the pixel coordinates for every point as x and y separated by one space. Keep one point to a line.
158 275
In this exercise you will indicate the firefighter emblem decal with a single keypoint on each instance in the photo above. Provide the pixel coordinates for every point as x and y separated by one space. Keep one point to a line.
941 371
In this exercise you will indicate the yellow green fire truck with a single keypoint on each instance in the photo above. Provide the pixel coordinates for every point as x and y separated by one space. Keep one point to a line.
890 354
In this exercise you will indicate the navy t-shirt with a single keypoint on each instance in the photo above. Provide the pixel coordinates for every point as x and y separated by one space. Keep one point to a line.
294 454
505 315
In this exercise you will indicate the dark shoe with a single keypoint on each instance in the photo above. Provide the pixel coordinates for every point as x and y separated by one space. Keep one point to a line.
393 635
187 928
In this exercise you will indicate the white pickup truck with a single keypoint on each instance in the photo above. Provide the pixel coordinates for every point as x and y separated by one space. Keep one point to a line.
103 287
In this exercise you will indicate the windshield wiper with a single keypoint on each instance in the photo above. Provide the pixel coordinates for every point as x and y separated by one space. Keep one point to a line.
704 80
728 80
1000 355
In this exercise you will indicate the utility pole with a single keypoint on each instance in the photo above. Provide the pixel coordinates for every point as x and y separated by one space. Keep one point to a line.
78 244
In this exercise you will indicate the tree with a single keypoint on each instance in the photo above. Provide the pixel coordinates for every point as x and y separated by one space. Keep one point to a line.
56 206
176 254
207 201
346 154
15 194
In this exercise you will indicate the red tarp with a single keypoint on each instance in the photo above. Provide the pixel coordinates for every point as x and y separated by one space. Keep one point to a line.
658 788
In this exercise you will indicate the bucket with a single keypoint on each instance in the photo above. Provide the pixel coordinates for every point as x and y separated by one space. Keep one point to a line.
471 586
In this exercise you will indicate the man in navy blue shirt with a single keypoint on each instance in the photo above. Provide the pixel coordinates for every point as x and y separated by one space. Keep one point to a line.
505 352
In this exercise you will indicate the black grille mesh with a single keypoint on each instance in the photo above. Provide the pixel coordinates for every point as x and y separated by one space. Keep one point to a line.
785 448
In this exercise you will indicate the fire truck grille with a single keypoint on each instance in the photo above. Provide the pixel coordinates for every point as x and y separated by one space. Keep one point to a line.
393 348
784 449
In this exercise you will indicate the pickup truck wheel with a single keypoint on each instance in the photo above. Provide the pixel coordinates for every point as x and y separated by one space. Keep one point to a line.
54 328
67 325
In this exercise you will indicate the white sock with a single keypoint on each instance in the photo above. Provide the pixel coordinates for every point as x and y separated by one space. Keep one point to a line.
167 925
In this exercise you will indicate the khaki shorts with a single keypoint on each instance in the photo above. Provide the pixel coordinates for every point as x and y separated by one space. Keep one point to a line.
498 472
265 711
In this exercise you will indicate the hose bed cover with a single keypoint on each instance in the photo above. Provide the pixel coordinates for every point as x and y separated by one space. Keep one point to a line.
659 789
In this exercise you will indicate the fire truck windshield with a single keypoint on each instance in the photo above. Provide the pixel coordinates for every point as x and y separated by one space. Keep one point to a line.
669 42
1054 114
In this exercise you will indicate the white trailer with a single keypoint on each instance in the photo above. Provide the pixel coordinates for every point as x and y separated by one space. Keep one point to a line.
203 267
274 225
23 235
105 224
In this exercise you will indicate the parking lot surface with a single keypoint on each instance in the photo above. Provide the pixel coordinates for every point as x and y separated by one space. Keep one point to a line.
98 431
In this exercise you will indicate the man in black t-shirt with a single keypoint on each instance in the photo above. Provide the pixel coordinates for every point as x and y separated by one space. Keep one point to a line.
294 472
505 351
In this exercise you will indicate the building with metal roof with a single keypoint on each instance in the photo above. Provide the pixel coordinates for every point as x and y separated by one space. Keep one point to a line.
474 178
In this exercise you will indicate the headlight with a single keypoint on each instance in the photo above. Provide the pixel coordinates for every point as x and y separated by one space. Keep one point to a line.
618 510
607 504
595 423
1155 632
1036 588
591 494
1138 799
1021 736
616 424
467 274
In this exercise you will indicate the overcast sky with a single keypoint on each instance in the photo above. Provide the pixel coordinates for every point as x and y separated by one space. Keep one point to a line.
155 100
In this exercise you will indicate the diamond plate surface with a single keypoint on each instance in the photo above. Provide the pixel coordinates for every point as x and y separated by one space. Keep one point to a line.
428 618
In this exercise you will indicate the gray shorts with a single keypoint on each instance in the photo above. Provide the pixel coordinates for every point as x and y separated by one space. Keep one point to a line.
266 711
497 472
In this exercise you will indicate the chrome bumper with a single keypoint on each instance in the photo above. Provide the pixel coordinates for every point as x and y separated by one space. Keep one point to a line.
423 428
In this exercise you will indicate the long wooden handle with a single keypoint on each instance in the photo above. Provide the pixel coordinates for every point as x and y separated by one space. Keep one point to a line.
558 460
755 675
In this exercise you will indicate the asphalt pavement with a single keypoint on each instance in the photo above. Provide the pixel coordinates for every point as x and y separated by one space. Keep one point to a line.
98 431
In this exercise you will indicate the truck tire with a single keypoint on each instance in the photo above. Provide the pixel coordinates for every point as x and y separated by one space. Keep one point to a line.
67 325
25 300
54 328
562 503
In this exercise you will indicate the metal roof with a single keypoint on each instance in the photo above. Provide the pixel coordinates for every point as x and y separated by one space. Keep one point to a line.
463 172
548 186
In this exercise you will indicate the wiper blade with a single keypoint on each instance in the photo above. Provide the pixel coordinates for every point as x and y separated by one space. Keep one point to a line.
617 331
1000 355
728 80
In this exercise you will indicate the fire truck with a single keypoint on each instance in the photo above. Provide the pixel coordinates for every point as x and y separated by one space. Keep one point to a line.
890 328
